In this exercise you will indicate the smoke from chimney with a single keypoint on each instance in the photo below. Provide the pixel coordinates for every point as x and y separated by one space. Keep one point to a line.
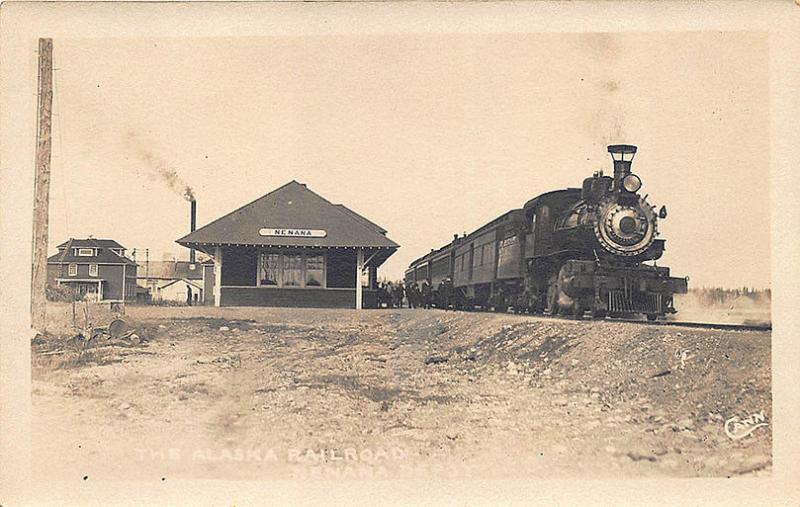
157 166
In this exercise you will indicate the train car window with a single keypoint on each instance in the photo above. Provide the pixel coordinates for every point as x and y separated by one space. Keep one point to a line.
441 267
506 252
477 258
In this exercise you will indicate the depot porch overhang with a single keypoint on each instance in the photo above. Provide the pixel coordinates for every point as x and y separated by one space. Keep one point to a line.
289 220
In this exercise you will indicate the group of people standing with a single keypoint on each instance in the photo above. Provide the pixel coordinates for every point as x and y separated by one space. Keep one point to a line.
396 295
391 295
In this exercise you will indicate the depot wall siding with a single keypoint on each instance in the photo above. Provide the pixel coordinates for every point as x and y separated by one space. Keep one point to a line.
208 284
239 266
301 298
341 269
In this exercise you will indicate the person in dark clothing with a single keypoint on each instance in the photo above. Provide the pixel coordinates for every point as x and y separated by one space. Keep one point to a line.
426 295
413 295
445 293
188 295
389 294
383 295
398 294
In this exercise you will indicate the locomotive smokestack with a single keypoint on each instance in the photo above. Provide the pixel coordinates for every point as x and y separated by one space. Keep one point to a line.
192 225
623 157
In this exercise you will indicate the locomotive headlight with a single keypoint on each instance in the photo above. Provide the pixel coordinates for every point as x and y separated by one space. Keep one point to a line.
631 183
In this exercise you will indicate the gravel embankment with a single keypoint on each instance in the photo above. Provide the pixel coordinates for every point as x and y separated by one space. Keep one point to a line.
263 393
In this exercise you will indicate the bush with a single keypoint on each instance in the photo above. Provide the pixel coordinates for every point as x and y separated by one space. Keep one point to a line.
61 293
165 302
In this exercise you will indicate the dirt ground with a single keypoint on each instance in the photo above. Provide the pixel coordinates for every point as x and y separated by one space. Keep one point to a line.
257 393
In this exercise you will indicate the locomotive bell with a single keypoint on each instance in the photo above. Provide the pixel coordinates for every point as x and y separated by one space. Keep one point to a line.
622 154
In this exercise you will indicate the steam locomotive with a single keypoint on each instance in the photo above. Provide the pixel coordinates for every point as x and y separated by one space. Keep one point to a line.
567 251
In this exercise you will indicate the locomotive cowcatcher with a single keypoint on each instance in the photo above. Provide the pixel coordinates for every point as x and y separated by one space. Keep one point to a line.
567 251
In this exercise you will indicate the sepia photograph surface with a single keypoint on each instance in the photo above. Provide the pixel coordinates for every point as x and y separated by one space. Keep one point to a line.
311 246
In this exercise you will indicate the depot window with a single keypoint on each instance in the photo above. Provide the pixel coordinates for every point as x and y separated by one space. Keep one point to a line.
73 270
291 269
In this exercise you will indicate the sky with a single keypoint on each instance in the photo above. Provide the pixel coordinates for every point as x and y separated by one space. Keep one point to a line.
426 135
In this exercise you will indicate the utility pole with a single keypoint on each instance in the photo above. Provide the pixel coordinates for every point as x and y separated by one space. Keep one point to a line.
41 189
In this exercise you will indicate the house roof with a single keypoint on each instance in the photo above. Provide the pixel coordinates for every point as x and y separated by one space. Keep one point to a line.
184 280
292 206
170 270
92 243
104 254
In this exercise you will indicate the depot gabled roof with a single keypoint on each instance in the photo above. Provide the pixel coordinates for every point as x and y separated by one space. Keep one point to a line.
292 206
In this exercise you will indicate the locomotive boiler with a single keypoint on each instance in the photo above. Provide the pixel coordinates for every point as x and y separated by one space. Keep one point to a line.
567 251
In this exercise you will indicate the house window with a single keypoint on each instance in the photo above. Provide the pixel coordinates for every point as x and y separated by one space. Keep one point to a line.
92 269
85 252
73 270
291 270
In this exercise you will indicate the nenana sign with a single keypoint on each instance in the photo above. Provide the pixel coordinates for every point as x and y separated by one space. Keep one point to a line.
302 233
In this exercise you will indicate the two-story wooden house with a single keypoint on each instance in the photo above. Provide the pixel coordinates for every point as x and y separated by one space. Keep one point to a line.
96 268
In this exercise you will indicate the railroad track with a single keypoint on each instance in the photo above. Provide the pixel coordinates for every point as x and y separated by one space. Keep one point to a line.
678 323
704 325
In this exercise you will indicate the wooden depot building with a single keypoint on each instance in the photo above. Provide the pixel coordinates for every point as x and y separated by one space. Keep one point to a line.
292 247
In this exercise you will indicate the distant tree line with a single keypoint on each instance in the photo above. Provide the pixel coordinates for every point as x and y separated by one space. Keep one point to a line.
719 296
